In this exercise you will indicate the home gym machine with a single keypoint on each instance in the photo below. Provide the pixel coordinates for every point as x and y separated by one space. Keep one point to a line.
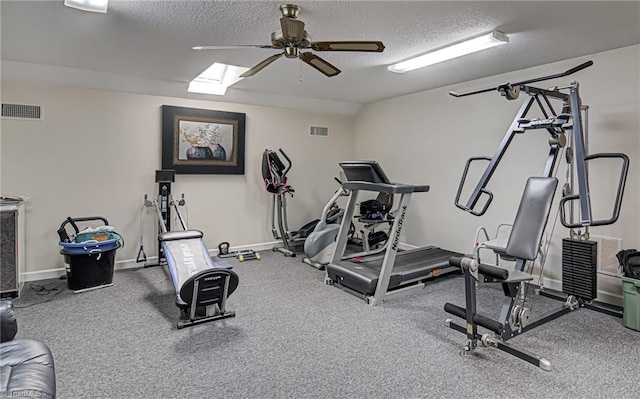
524 243
381 274
274 173
201 285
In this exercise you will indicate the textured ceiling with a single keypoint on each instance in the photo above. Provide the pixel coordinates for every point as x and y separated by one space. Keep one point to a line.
145 46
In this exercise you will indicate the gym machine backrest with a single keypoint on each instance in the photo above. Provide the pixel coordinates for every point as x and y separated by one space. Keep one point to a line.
531 219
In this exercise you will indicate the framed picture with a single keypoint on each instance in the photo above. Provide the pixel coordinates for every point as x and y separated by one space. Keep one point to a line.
202 141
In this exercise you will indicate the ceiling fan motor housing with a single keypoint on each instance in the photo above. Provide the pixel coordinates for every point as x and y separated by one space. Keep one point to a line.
289 10
278 41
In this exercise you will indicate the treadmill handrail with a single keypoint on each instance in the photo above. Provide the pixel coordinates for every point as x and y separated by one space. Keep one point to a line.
392 188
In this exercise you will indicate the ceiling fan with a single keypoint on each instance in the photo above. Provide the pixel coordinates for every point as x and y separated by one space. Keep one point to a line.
293 39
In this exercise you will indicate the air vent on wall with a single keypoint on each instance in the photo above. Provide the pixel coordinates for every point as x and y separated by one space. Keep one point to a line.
319 131
608 247
22 111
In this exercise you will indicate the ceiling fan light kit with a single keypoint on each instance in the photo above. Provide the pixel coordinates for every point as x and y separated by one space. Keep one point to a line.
458 49
88 5
292 39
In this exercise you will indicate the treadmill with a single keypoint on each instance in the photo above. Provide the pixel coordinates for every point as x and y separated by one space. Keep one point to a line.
385 273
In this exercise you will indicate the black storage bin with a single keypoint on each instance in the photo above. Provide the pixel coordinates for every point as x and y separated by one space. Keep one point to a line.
89 257
88 271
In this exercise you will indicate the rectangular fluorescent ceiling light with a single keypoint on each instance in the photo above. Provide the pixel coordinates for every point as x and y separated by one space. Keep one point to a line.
216 79
455 50
88 5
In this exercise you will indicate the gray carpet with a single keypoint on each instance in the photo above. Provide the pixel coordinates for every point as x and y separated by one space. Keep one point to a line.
295 337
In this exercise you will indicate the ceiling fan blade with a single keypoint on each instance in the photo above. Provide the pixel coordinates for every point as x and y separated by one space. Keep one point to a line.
261 65
319 64
348 46
292 29
232 47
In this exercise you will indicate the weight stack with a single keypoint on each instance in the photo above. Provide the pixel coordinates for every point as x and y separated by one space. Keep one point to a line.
579 268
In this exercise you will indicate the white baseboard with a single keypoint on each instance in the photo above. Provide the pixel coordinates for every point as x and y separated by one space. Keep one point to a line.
125 264
43 275
552 284
404 246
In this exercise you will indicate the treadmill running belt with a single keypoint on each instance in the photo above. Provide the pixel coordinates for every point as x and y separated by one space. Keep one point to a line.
410 266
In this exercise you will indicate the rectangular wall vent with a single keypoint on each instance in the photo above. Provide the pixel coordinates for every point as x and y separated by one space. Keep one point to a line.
319 131
22 111
608 247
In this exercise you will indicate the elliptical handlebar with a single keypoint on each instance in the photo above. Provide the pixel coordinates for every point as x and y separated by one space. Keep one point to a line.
284 154
534 80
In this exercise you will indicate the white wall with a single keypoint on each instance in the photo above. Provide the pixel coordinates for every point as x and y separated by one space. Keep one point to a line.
96 153
427 137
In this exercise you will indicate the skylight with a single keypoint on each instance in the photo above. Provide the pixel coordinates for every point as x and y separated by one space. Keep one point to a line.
88 5
216 79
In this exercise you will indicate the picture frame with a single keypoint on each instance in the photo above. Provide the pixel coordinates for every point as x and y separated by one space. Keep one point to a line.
202 141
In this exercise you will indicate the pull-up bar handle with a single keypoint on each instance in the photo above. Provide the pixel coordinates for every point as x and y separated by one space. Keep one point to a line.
540 79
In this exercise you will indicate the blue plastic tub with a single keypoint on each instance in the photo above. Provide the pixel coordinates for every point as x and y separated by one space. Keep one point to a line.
89 247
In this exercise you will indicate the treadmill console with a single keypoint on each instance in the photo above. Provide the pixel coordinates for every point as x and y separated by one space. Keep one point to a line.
368 171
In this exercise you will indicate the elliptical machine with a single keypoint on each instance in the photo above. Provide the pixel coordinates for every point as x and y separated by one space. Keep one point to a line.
274 173
321 243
